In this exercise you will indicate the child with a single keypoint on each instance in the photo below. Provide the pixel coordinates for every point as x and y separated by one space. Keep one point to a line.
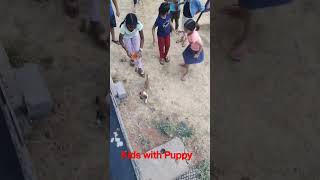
113 22
91 22
132 39
193 54
190 9
243 11
175 11
164 28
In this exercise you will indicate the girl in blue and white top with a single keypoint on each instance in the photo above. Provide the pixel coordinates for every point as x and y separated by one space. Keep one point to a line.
131 39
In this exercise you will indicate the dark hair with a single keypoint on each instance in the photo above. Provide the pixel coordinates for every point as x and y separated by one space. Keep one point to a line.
164 8
191 25
131 19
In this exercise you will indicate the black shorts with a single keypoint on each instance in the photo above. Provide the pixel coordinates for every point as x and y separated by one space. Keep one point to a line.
175 14
113 22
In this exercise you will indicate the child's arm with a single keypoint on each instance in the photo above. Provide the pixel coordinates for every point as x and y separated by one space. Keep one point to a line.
115 2
153 33
121 42
141 42
200 50
171 26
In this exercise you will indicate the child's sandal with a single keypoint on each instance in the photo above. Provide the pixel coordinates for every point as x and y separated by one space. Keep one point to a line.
131 62
140 72
167 59
161 61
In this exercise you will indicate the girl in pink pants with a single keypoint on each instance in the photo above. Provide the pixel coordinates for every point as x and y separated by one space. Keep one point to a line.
132 39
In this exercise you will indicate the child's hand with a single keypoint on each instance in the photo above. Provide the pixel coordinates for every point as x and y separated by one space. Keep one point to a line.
118 13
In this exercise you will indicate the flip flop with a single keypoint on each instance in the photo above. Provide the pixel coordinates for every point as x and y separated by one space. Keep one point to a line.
116 42
167 59
140 72
239 53
161 61
131 62
183 78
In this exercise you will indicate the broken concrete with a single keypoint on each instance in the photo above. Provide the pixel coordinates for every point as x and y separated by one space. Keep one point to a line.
35 92
121 92
164 168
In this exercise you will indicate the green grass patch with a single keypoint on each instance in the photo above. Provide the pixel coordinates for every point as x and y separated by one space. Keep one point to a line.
204 170
170 129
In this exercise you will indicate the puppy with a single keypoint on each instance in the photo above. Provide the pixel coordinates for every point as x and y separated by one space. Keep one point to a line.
143 94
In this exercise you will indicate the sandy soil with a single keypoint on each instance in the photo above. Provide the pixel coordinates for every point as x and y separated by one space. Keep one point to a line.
267 107
68 144
169 97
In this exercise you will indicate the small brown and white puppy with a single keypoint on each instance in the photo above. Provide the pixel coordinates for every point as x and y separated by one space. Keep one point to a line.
143 94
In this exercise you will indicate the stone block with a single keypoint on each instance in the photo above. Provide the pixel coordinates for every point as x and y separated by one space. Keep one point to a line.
35 92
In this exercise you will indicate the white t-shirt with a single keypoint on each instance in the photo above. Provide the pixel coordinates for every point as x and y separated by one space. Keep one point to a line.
128 34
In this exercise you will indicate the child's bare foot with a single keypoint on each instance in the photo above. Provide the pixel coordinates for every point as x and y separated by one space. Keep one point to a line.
239 52
183 65
116 42
183 78
161 61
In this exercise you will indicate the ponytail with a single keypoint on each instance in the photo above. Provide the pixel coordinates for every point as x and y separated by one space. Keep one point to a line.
122 23
191 25
130 19
197 27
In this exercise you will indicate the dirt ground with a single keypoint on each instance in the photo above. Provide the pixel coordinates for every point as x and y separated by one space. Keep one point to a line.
267 106
68 144
169 97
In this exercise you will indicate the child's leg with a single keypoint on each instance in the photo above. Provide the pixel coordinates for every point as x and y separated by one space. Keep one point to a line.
177 20
172 16
128 45
135 47
161 45
113 34
241 50
183 77
167 46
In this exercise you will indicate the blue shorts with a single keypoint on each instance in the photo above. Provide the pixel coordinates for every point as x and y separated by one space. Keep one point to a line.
188 56
256 4
113 22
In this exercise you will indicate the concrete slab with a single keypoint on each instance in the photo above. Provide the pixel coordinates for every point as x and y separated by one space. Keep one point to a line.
121 92
160 169
35 92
